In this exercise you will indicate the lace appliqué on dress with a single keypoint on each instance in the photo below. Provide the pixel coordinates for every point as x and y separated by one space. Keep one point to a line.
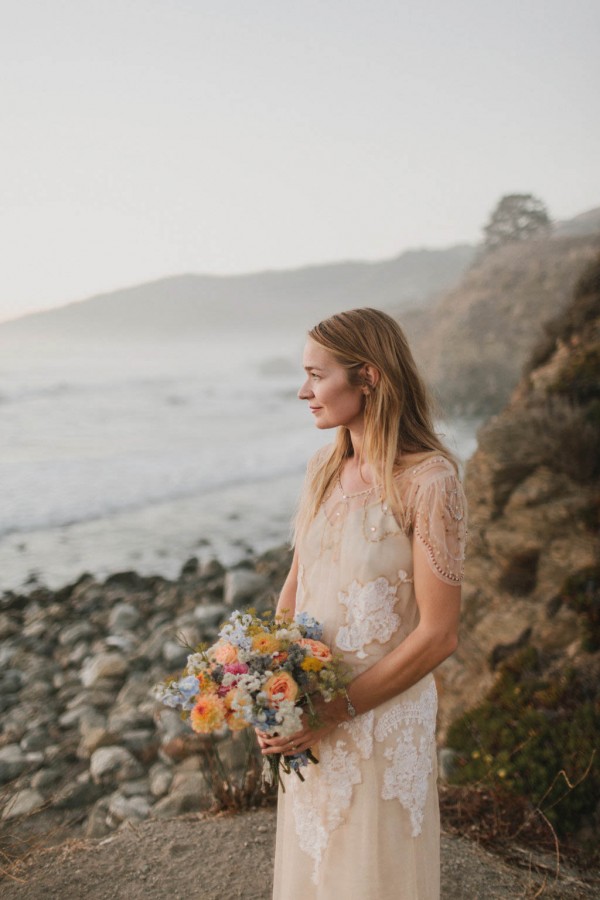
407 778
369 615
300 588
330 790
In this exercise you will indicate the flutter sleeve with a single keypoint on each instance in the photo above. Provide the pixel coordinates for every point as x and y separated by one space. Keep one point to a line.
440 525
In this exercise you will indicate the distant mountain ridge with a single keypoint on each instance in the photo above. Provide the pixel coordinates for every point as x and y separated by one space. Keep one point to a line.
280 300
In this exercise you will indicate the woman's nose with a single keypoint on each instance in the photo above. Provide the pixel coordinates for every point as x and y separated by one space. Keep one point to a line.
305 392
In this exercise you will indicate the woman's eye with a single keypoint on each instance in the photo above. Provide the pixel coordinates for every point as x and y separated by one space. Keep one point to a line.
315 377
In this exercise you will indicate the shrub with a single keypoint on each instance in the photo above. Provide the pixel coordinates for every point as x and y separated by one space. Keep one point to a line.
533 736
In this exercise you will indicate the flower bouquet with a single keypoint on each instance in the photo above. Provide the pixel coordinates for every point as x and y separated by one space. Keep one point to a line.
263 673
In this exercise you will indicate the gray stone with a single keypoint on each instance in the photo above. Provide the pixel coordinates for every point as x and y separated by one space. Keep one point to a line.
176 804
170 724
72 634
161 778
94 738
104 665
210 615
77 794
189 783
127 809
46 778
8 626
96 825
447 762
123 617
243 586
23 803
140 739
36 739
138 788
12 680
110 764
12 762
174 654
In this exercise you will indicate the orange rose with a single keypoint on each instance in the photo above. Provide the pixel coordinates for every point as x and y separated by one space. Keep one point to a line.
316 649
225 653
280 686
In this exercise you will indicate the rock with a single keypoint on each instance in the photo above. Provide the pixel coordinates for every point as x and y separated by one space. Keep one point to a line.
243 586
189 783
46 778
73 634
447 763
36 739
123 617
110 764
140 787
104 665
174 655
93 739
77 794
190 567
127 809
12 762
23 803
97 826
212 568
161 778
176 804
210 614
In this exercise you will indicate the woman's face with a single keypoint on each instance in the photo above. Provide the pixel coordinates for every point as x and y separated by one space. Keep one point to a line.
331 399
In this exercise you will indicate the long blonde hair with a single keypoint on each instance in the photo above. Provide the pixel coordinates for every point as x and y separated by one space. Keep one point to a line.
397 410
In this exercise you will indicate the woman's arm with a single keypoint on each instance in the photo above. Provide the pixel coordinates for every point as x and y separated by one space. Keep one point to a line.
434 639
286 605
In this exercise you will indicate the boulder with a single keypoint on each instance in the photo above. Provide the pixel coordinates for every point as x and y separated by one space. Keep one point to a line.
114 764
23 803
243 586
12 762
127 809
103 665
123 617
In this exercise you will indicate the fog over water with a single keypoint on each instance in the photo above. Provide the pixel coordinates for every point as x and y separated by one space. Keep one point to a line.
139 455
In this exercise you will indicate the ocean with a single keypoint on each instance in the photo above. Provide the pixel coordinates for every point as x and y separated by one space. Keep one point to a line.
141 455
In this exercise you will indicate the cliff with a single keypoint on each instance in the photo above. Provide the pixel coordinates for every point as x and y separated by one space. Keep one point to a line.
532 593
474 341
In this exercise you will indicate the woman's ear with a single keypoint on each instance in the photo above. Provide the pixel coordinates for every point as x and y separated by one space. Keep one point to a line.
371 375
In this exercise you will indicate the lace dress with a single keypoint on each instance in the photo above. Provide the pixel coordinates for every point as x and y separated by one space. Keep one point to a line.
365 823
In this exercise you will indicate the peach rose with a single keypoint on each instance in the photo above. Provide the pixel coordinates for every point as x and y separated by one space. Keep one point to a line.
316 649
225 653
280 686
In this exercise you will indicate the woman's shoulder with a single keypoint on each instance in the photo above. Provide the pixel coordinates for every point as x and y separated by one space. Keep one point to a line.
420 468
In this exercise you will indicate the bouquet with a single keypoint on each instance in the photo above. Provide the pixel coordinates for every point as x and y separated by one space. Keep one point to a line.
262 672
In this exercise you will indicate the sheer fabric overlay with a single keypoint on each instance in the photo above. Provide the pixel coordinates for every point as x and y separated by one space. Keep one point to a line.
365 823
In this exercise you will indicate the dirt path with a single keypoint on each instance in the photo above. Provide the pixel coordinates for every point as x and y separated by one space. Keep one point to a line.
215 857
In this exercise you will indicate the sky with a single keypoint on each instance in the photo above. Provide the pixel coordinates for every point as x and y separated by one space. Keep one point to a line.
147 138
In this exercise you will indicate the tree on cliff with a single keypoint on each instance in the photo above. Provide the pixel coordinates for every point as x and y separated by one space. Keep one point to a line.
517 217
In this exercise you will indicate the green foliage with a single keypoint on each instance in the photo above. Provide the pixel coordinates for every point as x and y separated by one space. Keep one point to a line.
535 734
517 217
581 592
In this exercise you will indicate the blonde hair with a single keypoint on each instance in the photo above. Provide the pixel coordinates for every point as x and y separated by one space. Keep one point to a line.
397 410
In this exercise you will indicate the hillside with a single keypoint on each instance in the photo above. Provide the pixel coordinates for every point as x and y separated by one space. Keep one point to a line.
288 301
474 342
528 665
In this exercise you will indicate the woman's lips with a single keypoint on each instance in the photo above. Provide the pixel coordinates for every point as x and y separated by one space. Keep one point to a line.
314 409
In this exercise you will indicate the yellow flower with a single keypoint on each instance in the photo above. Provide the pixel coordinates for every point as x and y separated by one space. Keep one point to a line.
265 643
310 664
475 754
501 773
208 714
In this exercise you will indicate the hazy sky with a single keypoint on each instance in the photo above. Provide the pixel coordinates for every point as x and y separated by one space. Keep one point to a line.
142 138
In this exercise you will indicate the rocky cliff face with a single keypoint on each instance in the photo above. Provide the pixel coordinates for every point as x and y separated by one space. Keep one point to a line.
473 344
533 487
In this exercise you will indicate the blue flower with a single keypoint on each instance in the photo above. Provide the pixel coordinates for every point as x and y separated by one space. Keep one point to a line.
313 629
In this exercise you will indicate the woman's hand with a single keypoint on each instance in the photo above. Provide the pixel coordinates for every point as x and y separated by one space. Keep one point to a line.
329 715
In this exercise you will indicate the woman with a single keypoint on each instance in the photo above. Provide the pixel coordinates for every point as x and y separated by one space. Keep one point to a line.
378 561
